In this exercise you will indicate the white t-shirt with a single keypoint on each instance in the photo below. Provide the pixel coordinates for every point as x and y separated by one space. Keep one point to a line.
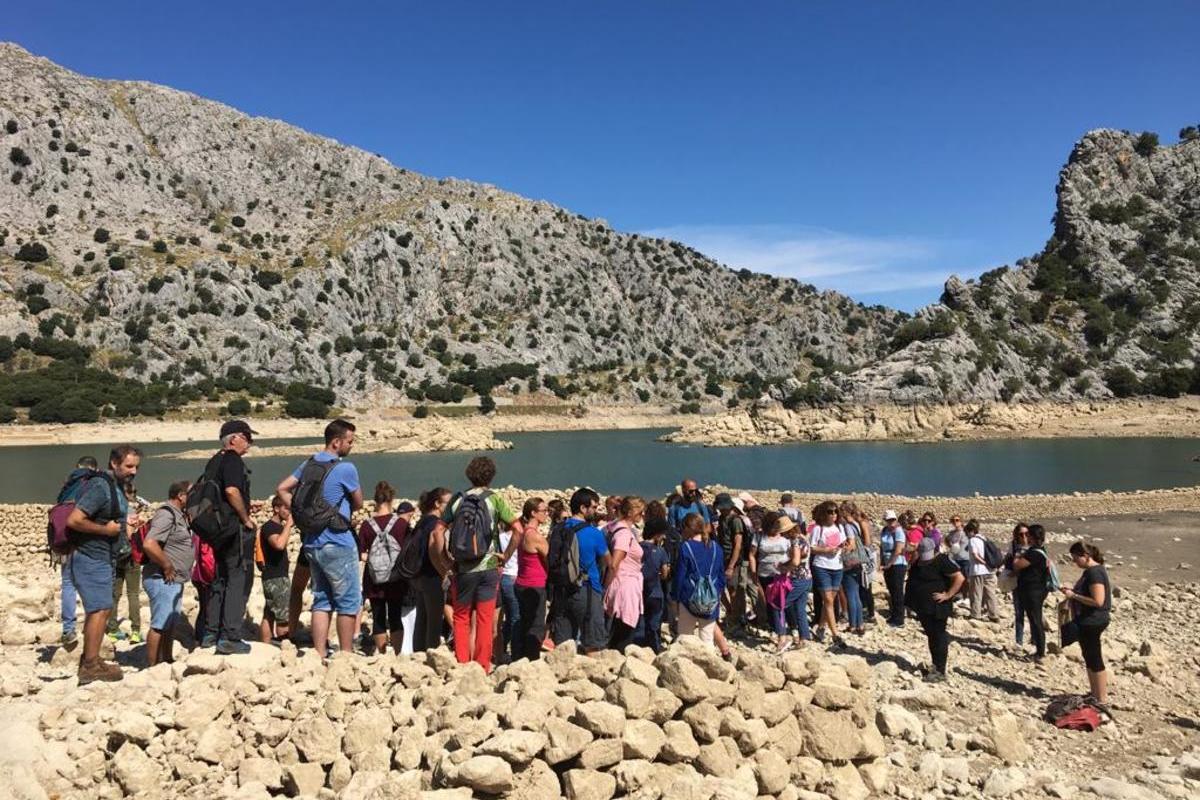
822 536
510 566
976 548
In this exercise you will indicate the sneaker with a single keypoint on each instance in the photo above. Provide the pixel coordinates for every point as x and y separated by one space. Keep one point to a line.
838 643
98 669
135 638
547 645
228 647
208 641
70 641
935 676
117 636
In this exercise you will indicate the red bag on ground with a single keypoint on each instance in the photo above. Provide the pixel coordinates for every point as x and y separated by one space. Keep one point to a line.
1084 718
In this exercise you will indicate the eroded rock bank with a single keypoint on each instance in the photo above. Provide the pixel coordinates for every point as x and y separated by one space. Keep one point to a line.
775 424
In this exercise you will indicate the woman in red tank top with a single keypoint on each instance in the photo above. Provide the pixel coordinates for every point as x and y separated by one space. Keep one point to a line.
531 581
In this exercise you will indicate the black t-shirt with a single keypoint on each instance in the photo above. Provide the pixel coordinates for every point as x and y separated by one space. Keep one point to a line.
276 565
424 531
1090 615
1033 578
727 530
925 579
232 472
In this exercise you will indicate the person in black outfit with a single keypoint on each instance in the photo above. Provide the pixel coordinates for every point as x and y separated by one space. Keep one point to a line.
1091 604
235 558
1033 580
933 580
427 586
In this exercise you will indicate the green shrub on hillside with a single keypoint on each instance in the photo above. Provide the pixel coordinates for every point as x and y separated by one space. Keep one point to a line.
32 252
1146 144
238 407
7 414
1122 382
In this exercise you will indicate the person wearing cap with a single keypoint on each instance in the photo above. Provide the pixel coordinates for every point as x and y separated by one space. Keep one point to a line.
787 506
734 538
230 588
892 556
933 581
656 569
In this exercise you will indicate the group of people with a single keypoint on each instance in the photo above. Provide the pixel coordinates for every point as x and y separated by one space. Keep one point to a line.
464 567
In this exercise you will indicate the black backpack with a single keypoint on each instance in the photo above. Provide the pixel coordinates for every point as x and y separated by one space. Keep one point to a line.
992 556
472 530
206 509
562 559
311 512
413 552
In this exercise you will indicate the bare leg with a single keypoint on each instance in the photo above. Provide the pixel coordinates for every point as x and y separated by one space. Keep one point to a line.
719 639
93 631
300 578
166 652
153 647
1098 682
347 624
320 631
828 616
264 629
381 642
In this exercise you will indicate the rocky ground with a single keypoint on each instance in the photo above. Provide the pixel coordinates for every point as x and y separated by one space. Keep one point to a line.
810 724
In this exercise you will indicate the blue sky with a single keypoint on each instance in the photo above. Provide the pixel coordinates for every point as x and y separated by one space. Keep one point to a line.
873 148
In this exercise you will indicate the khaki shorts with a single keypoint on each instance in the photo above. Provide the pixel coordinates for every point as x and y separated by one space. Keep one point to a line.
278 592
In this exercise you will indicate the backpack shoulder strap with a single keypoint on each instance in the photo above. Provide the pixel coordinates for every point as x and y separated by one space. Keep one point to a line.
375 526
387 531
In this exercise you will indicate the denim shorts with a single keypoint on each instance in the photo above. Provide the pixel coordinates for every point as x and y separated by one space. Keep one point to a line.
826 580
93 579
335 584
166 601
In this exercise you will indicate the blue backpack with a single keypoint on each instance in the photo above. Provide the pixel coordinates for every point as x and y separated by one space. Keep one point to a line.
703 595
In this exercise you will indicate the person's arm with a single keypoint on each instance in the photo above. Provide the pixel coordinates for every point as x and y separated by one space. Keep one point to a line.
753 559
1020 562
437 550
518 533
78 522
864 527
736 554
285 487
956 583
611 568
280 540
664 571
541 545
1094 598
233 496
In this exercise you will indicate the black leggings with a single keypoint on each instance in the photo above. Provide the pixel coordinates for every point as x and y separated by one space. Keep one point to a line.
622 635
430 599
531 624
939 640
1089 643
1031 607
385 616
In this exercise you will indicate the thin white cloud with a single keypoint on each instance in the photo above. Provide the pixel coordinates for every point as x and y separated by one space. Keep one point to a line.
826 259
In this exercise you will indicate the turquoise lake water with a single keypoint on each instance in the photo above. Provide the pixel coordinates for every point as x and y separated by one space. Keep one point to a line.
635 462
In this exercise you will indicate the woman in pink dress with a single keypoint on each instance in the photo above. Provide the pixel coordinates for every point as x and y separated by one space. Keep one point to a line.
623 582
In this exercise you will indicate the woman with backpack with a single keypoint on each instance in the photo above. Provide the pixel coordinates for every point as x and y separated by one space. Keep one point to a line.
393 609
1033 570
1090 603
699 580
623 582
427 586
769 561
854 561
530 586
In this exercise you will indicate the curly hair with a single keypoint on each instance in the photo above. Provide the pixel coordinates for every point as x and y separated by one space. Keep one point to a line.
481 471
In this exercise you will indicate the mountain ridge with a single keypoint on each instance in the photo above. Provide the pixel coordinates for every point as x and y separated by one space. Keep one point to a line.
183 242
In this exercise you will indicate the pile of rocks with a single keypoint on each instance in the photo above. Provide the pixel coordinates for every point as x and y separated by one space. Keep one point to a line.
683 723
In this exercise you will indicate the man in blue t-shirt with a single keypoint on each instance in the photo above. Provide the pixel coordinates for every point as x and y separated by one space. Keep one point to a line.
577 612
691 502
333 551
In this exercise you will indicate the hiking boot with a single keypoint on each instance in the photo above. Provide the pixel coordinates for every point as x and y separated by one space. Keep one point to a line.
97 669
208 641
70 641
232 647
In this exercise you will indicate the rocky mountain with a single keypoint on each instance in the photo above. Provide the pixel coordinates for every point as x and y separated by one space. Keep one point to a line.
178 242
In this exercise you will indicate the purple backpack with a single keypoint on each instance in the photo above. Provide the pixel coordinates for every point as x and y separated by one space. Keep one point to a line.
58 535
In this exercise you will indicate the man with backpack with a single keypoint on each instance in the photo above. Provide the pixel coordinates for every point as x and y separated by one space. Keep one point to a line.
323 493
733 535
85 467
575 565
218 508
95 522
471 524
985 559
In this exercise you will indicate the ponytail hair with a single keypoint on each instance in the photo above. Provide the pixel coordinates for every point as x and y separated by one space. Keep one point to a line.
429 499
530 508
384 493
1090 550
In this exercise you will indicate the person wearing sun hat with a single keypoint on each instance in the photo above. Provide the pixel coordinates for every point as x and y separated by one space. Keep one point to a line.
933 581
894 563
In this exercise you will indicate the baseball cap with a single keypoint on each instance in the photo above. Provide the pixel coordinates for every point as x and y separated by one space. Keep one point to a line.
405 507
237 426
927 549
722 501
889 515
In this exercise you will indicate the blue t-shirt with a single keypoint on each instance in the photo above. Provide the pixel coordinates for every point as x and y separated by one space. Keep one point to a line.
341 483
653 559
679 511
695 561
889 541
591 547
95 501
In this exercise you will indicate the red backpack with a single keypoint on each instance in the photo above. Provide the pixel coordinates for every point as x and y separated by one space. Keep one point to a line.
204 570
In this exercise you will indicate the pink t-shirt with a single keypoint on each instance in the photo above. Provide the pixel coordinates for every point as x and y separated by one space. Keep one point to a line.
623 598
531 570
